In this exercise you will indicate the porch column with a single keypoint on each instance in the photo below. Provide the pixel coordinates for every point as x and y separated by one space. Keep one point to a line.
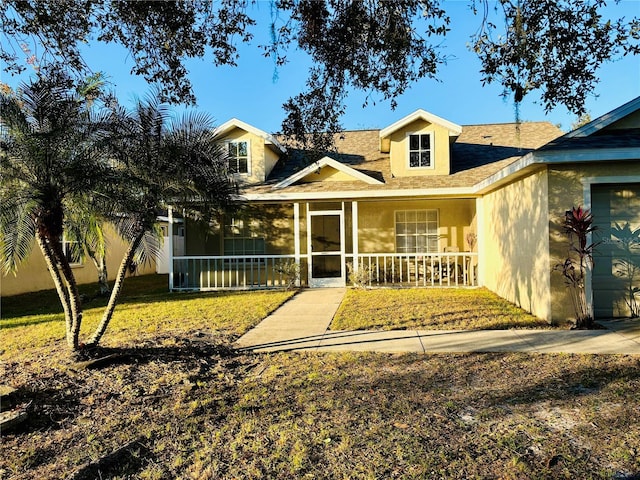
296 236
354 228
170 240
480 245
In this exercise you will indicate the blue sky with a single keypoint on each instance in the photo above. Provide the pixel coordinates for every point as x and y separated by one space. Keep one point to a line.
252 93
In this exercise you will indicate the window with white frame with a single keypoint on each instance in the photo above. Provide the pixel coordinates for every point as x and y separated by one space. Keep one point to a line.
71 250
420 150
241 238
416 231
238 157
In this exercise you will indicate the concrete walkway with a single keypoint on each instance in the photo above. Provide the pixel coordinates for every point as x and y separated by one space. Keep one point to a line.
302 324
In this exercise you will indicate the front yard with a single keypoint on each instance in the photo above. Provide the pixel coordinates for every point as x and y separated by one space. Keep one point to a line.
431 309
179 403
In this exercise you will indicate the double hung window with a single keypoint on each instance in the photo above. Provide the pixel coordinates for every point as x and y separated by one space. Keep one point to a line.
416 231
240 238
420 150
238 157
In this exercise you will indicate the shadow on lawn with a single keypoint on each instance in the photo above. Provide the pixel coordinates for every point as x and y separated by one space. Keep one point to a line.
24 305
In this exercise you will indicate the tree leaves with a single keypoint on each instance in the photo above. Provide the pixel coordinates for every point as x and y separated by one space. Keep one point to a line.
554 46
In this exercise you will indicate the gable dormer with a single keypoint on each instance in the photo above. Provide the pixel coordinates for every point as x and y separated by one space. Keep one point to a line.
251 153
419 144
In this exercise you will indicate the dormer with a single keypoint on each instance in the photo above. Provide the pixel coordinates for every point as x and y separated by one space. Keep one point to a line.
419 144
252 153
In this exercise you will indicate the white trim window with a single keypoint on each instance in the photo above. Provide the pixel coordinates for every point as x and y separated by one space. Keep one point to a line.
72 251
416 231
240 238
420 150
239 158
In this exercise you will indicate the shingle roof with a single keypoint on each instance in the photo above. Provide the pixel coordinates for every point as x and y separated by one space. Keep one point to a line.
618 138
479 151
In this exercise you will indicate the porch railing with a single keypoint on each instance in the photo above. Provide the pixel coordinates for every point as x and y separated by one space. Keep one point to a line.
273 271
423 269
231 272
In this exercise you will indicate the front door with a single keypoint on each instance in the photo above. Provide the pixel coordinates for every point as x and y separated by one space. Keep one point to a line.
325 242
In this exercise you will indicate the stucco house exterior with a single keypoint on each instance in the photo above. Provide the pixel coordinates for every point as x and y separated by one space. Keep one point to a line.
427 202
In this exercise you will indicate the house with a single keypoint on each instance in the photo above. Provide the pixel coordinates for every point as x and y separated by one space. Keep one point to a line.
33 274
426 202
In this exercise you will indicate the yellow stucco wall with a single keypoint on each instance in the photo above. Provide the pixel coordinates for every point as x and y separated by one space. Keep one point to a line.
270 159
565 191
376 222
274 223
327 174
33 275
400 150
514 245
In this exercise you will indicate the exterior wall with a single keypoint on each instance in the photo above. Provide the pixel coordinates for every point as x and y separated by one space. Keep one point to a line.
630 121
257 154
274 223
33 275
327 174
514 248
270 159
400 150
565 191
376 222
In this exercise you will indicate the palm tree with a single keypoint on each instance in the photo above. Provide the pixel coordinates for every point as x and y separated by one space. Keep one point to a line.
161 161
51 160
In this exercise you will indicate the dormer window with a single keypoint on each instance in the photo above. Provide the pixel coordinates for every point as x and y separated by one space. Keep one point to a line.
420 150
238 157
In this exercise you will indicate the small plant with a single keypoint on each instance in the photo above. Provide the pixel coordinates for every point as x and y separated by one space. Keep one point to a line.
578 223
360 278
289 273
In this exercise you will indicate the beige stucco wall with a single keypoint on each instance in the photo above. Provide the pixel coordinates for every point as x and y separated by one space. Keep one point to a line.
514 254
565 191
274 223
400 150
327 174
33 275
376 222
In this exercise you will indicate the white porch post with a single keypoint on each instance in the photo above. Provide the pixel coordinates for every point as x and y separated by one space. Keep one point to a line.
480 245
170 240
354 228
296 236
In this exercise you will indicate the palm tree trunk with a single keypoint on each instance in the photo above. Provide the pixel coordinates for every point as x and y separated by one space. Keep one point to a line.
100 263
115 292
58 282
73 294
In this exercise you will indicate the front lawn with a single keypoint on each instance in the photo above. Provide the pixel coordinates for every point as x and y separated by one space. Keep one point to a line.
145 309
430 309
178 402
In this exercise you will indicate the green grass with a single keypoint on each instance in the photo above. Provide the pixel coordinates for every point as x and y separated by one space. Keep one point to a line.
430 309
180 404
145 308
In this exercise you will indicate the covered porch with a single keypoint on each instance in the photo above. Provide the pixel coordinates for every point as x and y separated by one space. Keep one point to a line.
403 242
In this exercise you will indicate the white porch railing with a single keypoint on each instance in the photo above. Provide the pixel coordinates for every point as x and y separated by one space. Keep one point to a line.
420 269
380 269
230 272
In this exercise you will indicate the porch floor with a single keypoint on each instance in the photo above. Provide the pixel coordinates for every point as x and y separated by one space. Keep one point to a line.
303 322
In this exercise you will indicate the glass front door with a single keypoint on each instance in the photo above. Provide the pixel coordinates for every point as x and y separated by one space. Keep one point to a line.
325 246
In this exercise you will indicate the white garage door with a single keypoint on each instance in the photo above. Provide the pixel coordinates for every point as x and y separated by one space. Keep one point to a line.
616 273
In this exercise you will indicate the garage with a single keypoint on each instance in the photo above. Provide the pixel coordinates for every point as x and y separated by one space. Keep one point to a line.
616 271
